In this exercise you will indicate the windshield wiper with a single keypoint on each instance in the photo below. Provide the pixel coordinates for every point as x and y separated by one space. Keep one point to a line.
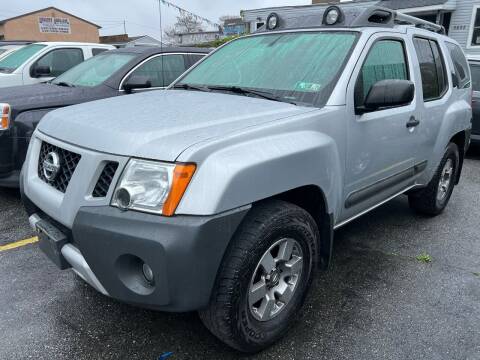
246 91
6 70
190 87
64 83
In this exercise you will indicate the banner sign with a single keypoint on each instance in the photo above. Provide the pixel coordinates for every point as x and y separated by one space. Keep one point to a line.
54 25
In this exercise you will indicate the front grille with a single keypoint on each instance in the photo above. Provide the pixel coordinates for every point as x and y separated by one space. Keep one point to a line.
68 163
105 180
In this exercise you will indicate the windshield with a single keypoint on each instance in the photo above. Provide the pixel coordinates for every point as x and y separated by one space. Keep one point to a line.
13 61
291 67
2 50
94 71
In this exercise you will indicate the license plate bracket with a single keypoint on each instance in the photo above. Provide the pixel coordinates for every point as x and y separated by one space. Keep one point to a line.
51 242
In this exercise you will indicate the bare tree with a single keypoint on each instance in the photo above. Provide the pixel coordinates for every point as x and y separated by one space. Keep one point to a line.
186 24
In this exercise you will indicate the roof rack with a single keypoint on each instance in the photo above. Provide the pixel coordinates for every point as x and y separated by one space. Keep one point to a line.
402 19
389 18
350 17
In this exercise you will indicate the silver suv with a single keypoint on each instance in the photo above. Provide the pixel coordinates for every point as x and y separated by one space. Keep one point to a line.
222 193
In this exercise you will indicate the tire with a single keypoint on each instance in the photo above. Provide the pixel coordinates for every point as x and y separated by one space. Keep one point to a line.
232 315
432 200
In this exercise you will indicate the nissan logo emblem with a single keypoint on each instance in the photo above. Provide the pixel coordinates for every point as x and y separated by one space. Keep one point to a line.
51 166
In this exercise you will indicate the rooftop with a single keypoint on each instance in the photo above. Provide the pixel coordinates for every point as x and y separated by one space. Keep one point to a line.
46 9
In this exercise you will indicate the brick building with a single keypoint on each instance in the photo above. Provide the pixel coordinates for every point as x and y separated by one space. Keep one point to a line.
50 24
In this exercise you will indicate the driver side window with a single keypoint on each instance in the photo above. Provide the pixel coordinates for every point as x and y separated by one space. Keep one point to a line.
61 60
385 61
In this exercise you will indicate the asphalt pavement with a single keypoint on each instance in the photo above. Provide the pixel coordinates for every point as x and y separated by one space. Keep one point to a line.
377 302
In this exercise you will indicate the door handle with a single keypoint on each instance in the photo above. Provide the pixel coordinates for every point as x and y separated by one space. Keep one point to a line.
413 122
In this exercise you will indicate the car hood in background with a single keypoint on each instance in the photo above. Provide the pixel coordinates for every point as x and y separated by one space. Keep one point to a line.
37 96
160 124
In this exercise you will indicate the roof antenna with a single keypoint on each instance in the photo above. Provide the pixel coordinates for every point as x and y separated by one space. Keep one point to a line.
161 40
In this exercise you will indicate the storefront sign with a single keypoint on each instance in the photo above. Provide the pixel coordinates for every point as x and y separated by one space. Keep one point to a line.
54 25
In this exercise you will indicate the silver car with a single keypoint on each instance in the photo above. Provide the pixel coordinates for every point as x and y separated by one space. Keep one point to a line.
222 193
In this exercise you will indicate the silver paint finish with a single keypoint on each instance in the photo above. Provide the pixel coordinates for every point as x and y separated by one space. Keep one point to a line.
249 149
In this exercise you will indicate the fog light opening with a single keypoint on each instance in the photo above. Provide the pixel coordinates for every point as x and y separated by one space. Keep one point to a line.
148 274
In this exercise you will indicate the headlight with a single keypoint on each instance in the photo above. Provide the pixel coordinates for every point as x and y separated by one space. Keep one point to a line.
5 112
152 186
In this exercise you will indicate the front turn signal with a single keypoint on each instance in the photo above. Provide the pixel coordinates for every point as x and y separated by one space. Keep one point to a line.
4 116
182 175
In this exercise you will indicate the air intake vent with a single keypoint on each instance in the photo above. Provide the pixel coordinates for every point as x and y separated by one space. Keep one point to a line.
56 166
105 180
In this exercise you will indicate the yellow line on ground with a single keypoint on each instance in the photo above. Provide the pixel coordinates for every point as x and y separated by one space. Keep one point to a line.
18 244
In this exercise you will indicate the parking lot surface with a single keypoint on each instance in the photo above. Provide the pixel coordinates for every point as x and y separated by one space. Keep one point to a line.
377 302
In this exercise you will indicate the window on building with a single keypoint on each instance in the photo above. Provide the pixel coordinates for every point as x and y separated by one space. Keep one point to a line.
386 60
162 70
476 28
61 60
460 65
432 69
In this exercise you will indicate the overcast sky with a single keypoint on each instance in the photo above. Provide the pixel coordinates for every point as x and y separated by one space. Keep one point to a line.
141 15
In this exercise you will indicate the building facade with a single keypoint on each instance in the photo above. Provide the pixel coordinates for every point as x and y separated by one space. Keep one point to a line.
461 18
234 27
123 40
191 39
50 24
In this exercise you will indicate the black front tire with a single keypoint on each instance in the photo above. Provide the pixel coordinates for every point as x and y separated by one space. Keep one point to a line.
426 201
229 316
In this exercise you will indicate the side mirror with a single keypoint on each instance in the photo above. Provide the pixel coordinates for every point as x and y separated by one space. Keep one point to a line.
455 80
137 82
41 71
387 94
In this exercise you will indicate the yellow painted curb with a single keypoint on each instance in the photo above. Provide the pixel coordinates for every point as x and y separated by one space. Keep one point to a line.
18 244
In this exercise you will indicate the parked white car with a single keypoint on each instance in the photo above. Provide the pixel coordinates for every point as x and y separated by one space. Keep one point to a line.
6 50
44 61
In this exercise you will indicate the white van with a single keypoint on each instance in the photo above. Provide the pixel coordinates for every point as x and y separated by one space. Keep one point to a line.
44 61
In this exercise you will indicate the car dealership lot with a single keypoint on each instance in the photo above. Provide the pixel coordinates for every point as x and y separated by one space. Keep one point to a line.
378 301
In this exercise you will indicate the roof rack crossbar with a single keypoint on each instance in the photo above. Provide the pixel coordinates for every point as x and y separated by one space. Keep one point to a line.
402 19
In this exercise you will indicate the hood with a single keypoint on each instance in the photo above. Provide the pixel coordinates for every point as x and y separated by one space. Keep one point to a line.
160 124
29 97
13 79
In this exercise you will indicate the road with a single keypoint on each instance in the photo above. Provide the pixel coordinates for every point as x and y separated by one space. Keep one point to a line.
377 302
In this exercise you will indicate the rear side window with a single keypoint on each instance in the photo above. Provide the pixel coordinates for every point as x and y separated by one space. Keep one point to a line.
432 68
475 68
162 70
385 61
460 64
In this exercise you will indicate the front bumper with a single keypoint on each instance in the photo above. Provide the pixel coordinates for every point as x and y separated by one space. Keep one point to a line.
107 247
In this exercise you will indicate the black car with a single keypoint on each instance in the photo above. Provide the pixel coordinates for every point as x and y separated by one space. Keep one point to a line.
113 73
475 68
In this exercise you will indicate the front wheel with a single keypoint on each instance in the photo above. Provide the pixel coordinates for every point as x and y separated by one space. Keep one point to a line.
264 277
435 197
